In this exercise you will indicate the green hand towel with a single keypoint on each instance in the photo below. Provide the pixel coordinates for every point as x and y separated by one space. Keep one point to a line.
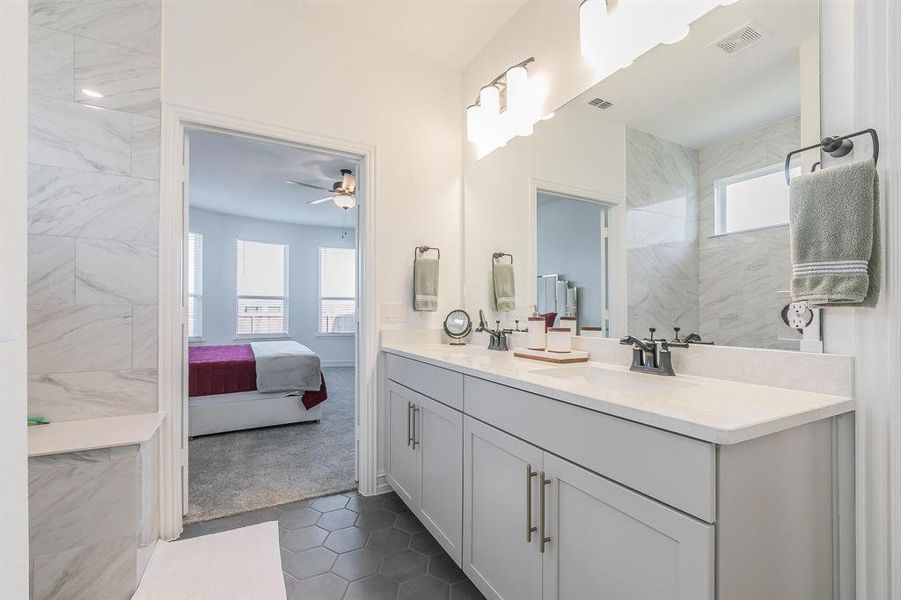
835 241
504 286
425 284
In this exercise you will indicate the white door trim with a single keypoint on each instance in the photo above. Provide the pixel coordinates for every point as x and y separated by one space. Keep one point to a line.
175 119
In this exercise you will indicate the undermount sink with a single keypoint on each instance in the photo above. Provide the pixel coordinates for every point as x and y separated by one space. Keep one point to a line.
609 378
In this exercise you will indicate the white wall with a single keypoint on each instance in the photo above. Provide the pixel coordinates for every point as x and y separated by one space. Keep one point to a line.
578 153
13 408
272 62
220 232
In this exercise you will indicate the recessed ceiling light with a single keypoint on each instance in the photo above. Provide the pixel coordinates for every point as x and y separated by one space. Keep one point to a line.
91 93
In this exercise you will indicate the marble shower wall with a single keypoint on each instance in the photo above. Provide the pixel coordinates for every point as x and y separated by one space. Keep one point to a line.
93 198
741 274
662 234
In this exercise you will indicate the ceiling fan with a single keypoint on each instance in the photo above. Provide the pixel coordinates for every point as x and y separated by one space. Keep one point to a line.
343 192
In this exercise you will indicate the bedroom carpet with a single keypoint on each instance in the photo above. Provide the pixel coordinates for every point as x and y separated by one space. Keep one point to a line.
242 471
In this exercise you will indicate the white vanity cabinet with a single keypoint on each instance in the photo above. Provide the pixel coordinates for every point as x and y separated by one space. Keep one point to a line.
424 458
626 511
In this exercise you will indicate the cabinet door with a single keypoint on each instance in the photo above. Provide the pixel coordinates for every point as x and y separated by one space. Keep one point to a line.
497 492
438 437
610 543
400 458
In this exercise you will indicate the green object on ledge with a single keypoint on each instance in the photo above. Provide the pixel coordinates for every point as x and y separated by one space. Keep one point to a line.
32 421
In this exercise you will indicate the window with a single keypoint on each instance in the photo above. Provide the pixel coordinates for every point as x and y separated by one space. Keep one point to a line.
195 286
261 284
752 200
337 290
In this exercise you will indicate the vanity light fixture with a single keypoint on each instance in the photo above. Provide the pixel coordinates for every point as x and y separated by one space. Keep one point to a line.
507 107
613 33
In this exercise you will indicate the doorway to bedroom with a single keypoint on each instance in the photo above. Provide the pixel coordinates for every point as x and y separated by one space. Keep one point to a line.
272 304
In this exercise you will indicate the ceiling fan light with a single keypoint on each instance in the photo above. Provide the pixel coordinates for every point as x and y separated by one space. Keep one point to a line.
345 201
348 181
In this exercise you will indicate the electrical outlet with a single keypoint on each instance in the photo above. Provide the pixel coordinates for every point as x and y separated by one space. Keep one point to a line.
393 312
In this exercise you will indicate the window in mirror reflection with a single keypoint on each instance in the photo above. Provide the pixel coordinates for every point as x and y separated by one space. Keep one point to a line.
752 200
572 259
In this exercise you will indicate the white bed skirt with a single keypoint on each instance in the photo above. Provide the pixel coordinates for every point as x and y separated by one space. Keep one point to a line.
219 413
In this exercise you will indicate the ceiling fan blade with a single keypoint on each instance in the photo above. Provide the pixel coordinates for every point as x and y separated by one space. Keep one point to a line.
315 187
320 201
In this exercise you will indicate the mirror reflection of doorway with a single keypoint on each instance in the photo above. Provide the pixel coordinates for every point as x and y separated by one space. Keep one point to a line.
572 259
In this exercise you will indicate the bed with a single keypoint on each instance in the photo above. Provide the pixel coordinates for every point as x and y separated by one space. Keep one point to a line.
243 386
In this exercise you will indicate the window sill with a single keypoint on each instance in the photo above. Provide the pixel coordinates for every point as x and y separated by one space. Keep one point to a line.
272 336
332 335
196 340
753 230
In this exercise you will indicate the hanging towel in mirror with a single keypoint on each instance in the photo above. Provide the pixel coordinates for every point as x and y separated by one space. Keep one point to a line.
425 284
835 241
504 286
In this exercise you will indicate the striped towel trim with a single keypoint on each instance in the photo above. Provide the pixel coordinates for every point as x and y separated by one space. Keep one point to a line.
421 297
833 266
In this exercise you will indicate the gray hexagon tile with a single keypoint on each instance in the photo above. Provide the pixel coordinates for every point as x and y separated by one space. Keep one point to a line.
377 519
345 540
298 517
363 504
424 587
358 564
404 565
337 519
372 588
308 563
387 555
389 541
424 542
327 586
328 503
304 538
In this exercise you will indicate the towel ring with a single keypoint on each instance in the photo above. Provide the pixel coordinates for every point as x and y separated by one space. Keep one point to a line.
423 249
835 146
499 255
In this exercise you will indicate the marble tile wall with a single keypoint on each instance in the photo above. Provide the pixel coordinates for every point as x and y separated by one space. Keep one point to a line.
741 274
662 234
93 192
92 521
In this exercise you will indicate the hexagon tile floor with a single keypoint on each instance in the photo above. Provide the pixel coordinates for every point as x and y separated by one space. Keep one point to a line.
352 547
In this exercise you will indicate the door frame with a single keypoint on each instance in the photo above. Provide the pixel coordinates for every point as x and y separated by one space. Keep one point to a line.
175 120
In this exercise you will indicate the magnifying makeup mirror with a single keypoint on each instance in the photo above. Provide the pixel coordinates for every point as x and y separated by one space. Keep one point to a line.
457 325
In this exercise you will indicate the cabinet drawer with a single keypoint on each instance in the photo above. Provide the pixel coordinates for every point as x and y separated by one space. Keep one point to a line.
436 383
674 469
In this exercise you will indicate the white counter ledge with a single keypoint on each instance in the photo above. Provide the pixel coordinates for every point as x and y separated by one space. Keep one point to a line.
713 410
91 434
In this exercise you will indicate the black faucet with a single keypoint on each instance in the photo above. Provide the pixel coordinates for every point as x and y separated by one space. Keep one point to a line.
691 338
497 338
651 355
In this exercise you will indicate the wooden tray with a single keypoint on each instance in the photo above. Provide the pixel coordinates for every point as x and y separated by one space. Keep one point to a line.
560 358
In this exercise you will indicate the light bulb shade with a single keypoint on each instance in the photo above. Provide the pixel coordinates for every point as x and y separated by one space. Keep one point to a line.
344 201
490 101
348 181
474 131
519 101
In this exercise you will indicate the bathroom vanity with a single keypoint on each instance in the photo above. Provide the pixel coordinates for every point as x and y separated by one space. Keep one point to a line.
591 481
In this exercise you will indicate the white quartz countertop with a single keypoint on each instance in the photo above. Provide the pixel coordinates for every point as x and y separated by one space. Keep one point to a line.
91 434
713 410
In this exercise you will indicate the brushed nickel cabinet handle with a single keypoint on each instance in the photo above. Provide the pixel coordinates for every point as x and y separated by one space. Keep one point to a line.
530 529
542 538
416 409
409 427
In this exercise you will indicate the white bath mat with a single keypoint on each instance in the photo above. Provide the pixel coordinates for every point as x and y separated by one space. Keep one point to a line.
240 564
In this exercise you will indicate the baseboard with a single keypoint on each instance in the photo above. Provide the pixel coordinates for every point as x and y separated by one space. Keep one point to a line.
337 363
381 486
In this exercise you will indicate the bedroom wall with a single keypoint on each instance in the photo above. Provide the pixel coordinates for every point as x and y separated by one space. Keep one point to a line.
219 234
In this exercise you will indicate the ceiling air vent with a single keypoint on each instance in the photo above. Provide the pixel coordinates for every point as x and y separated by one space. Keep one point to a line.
599 103
741 39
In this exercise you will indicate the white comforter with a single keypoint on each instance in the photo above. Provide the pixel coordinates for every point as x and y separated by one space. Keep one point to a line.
286 366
